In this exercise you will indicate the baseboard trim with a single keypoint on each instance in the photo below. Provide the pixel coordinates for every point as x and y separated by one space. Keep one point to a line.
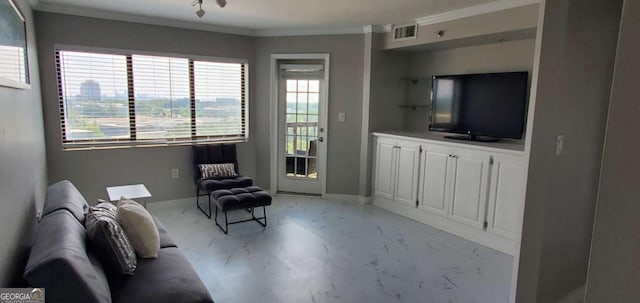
335 197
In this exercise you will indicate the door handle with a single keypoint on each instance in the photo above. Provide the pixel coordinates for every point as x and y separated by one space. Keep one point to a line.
321 139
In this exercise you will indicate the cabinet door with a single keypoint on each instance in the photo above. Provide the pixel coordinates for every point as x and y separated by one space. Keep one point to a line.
385 169
408 155
469 187
435 176
506 196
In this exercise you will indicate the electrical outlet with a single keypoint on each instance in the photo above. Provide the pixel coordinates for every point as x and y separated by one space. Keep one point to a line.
175 173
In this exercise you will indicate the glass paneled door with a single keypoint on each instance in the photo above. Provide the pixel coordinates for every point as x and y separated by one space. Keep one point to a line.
301 133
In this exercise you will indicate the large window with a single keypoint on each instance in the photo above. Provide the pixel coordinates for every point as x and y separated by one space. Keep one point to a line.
109 100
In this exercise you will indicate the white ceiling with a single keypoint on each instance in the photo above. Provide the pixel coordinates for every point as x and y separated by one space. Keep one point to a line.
255 16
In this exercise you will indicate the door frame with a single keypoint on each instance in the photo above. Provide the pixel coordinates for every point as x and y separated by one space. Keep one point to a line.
273 116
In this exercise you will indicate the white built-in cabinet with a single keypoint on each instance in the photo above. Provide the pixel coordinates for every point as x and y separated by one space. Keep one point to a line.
435 176
454 184
506 196
476 193
386 166
397 176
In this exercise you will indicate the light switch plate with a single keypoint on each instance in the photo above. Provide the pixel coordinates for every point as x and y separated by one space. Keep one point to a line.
559 145
341 116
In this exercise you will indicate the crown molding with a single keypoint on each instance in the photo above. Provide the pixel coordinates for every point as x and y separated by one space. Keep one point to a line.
476 10
316 31
432 19
376 28
110 15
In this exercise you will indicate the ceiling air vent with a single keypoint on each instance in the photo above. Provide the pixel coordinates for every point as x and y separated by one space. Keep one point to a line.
405 32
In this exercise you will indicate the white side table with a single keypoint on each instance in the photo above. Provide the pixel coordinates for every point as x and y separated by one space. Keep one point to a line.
135 191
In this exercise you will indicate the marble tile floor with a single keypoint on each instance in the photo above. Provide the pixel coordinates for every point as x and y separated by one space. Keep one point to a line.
315 250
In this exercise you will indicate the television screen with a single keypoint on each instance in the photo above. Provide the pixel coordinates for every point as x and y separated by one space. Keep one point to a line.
491 105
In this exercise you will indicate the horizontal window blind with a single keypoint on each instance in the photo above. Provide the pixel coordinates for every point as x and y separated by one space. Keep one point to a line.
219 95
161 90
94 102
112 100
13 63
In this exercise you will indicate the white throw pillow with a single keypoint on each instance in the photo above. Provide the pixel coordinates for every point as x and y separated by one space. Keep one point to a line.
139 227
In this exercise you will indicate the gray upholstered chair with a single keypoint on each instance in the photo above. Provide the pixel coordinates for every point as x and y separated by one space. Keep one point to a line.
215 154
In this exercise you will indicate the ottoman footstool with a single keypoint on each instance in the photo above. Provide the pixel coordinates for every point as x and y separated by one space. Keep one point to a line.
247 198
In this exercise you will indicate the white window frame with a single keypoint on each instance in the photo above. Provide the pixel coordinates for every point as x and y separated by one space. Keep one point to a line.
120 143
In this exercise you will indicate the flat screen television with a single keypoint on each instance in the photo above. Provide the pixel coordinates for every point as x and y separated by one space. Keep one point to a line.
483 107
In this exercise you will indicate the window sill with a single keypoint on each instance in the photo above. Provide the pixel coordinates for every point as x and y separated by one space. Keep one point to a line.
78 146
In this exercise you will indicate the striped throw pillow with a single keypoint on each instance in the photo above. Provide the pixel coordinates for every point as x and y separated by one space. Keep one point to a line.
223 170
109 241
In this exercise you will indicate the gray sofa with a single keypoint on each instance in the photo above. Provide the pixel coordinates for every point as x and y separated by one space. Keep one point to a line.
62 262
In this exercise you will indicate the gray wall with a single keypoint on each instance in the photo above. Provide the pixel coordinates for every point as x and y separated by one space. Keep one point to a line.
345 95
615 251
23 171
500 57
364 186
576 64
92 170
386 90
